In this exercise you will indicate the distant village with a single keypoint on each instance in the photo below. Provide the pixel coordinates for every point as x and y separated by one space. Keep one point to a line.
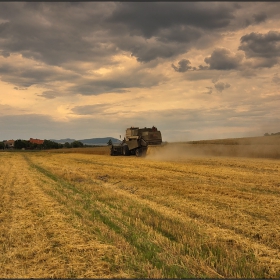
36 144
10 144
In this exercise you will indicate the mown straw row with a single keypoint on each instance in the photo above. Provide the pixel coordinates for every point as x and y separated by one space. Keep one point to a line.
36 239
214 217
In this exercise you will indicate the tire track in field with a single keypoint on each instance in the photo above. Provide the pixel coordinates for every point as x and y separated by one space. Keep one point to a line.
205 207
267 254
7 181
36 239
95 215
140 201
264 253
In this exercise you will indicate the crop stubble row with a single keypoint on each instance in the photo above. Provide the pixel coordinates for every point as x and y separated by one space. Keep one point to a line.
232 203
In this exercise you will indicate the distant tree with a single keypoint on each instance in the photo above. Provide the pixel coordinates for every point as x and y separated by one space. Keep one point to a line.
266 134
48 144
109 143
77 144
2 146
19 144
67 145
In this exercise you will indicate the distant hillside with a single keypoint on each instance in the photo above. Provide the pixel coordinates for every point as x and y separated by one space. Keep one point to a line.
99 141
62 141
91 141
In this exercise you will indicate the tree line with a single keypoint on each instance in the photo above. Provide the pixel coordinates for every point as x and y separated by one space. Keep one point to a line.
48 144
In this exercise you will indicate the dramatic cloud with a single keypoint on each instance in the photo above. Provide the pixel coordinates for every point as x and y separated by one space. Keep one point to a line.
223 59
261 45
261 17
183 66
264 49
256 19
93 68
148 19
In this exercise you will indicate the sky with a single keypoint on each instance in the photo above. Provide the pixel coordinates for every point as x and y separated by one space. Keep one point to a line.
195 70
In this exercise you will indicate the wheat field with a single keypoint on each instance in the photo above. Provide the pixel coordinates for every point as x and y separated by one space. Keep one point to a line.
85 214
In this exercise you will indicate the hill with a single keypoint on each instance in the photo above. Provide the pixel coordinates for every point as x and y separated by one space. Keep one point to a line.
91 141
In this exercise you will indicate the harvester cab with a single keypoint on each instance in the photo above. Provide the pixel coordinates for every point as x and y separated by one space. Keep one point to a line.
136 141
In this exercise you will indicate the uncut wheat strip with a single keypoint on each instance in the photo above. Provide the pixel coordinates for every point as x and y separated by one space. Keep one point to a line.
44 232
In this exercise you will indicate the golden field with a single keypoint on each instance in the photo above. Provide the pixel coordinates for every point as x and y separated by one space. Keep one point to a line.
180 212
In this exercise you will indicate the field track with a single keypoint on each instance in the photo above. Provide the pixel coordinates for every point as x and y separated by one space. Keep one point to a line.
95 216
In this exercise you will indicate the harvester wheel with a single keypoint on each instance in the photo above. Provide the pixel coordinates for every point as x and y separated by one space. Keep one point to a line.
125 150
138 153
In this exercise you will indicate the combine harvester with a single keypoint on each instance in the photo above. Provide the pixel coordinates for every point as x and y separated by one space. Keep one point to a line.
137 141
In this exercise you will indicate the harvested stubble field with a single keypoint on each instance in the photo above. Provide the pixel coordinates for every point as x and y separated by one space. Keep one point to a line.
84 214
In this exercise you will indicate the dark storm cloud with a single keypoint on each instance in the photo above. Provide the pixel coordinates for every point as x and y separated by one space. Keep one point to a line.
148 19
183 66
221 86
69 35
100 86
179 34
55 32
261 17
256 19
261 45
152 51
203 67
24 77
262 49
120 84
175 27
223 59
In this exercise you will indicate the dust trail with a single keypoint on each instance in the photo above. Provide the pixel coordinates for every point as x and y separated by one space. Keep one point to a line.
250 148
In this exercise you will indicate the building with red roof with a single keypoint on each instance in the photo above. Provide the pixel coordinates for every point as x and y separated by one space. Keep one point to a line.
36 141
